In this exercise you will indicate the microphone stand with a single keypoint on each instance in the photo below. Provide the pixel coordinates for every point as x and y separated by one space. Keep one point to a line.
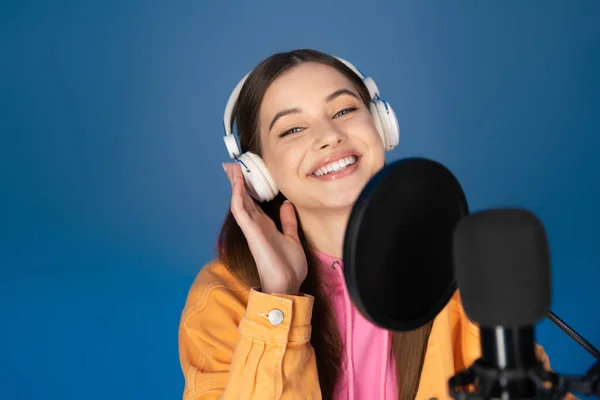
484 381
475 383
588 384
574 335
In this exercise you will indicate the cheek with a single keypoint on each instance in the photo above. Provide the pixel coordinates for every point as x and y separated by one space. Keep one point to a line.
283 165
366 132
366 127
378 151
370 136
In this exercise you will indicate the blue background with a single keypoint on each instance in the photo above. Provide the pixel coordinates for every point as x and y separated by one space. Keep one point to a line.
112 192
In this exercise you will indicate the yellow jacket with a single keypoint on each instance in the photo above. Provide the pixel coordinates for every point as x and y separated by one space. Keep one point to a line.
230 347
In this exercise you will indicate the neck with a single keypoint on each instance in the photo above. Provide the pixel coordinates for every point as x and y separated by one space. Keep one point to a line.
325 231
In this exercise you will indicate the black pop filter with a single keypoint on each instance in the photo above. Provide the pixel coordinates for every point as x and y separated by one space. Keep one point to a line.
398 244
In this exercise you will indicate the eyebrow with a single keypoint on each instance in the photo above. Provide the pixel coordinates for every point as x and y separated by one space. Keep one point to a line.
283 114
340 92
329 98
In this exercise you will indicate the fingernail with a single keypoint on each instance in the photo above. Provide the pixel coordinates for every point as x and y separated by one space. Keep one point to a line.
224 167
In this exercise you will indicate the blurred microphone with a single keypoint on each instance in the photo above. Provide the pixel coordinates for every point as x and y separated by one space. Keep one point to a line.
502 267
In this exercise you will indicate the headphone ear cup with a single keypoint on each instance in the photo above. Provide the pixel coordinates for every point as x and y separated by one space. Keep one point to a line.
378 125
258 181
389 124
393 132
232 146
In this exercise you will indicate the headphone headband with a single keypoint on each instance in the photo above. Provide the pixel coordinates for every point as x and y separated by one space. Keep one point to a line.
258 180
233 97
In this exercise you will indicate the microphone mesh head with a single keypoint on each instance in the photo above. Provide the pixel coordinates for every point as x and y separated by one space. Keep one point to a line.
502 266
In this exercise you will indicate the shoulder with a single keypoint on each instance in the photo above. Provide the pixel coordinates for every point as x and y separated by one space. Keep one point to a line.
464 334
215 287
459 316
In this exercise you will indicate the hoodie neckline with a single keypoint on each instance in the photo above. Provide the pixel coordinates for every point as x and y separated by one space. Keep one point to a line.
330 268
325 258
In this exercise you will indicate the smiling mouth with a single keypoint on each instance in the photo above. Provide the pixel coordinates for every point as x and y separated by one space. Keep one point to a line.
336 166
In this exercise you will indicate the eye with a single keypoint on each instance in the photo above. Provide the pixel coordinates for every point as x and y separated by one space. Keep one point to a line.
290 131
345 111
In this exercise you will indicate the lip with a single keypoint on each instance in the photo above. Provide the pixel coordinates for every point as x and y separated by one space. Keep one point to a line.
332 158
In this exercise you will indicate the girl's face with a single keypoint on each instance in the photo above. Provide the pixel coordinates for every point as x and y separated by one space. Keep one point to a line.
318 139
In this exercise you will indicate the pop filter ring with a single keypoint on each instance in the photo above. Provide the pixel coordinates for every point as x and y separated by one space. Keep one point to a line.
353 234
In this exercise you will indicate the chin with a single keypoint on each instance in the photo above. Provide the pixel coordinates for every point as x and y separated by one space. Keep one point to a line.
342 199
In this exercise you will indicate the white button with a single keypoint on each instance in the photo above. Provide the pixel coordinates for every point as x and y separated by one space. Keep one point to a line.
275 317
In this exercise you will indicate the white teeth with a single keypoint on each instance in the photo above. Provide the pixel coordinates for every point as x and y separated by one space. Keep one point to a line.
335 166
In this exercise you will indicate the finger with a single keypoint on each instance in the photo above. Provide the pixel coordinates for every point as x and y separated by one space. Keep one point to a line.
227 169
237 178
248 201
289 222
236 172
238 194
244 204
240 187
237 207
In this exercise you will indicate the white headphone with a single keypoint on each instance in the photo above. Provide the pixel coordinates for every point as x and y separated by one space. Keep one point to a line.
259 182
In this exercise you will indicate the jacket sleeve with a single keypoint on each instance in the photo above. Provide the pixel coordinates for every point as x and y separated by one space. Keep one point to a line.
262 350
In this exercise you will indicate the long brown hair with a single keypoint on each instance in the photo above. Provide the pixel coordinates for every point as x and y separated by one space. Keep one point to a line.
408 347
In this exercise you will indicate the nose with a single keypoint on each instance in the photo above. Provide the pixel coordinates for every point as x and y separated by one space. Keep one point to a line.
329 135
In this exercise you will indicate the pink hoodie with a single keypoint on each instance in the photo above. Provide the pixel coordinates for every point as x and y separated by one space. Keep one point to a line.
369 370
